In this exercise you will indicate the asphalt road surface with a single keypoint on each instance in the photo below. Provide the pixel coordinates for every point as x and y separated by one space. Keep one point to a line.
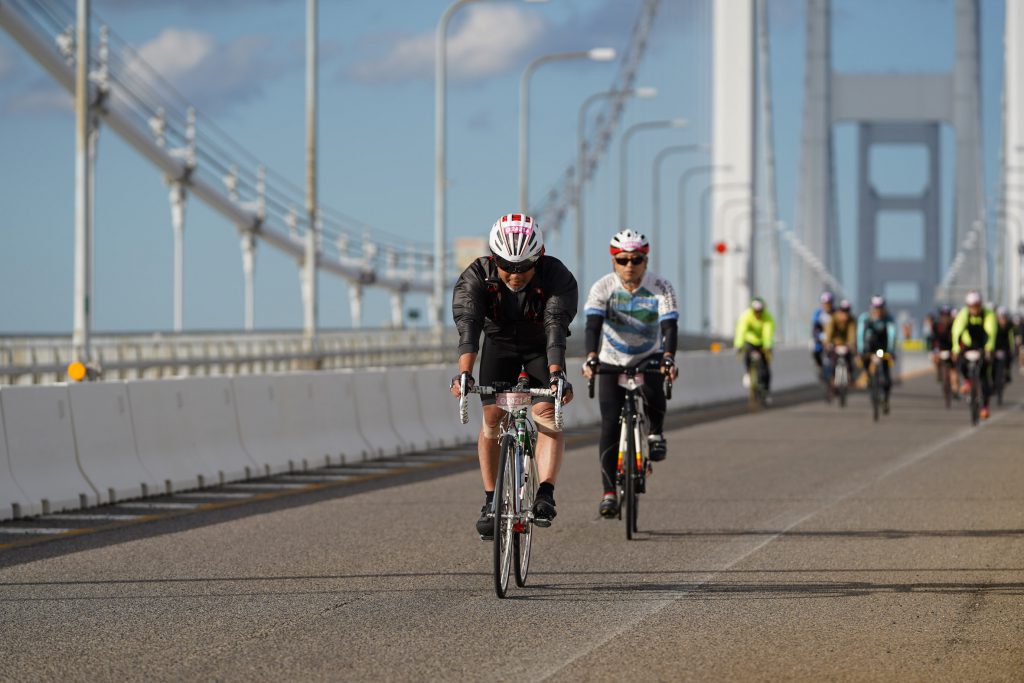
803 543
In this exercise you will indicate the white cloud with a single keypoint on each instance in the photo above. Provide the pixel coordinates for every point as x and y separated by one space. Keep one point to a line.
491 39
210 75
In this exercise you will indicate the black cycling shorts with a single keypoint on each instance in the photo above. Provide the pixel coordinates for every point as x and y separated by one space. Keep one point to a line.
501 363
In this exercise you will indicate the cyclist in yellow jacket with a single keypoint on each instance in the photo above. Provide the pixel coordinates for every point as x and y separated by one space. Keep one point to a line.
755 330
974 328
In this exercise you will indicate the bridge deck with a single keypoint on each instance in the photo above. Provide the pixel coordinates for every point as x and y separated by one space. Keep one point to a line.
802 543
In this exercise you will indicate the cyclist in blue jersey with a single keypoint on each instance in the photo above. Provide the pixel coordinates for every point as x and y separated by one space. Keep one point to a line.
819 321
876 331
632 317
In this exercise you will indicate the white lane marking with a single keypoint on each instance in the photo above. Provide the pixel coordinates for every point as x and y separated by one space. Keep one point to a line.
312 478
32 531
911 459
214 494
112 518
142 505
263 486
370 465
362 470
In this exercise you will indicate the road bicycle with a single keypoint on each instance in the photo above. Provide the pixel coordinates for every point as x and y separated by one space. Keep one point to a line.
973 358
946 369
841 374
757 380
516 483
634 458
875 388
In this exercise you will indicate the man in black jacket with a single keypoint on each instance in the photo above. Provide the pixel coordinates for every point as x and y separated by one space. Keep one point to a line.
523 302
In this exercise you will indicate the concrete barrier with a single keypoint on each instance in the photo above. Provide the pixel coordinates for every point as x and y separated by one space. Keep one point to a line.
166 436
407 410
13 501
373 414
105 441
438 408
41 449
320 414
260 405
213 422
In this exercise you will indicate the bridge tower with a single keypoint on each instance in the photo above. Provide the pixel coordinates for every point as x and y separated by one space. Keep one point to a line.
890 109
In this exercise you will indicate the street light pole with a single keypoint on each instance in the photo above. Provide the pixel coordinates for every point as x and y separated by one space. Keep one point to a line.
441 158
82 331
623 158
581 162
659 158
597 54
309 275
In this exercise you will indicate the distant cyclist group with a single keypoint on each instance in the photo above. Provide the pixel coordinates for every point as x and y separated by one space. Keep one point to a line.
523 300
973 349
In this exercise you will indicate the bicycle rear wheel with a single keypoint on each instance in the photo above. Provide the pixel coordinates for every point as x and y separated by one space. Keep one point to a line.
523 541
876 390
504 491
975 393
998 380
947 386
631 477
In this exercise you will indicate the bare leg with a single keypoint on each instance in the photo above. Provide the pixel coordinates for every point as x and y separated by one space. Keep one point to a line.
550 444
487 448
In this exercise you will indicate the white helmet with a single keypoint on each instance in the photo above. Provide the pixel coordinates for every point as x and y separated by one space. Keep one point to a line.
516 242
972 299
629 240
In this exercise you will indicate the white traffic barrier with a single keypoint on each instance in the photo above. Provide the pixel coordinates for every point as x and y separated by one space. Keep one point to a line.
165 437
105 441
407 414
373 414
438 408
320 414
260 402
213 420
13 501
41 449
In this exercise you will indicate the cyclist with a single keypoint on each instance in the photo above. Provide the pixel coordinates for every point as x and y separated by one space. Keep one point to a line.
1006 339
818 322
876 331
755 330
632 315
840 330
523 301
941 339
975 328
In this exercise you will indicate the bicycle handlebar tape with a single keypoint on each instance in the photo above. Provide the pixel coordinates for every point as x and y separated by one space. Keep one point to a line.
559 419
463 402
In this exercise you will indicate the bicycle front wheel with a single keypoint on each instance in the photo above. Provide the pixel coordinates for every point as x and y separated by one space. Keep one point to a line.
629 465
504 512
523 541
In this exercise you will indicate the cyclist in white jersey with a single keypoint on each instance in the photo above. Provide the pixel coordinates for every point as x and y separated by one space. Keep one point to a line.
632 316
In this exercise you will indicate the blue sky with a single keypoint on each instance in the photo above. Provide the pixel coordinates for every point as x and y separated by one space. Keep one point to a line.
242 64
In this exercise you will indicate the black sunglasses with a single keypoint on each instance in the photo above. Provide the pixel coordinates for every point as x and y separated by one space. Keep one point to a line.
626 260
515 268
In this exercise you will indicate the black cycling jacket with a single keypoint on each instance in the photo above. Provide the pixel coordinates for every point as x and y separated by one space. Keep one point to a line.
534 319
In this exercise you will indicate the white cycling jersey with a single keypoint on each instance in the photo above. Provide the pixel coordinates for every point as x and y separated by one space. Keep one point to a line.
632 320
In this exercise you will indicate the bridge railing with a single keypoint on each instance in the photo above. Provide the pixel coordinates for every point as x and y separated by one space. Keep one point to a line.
44 359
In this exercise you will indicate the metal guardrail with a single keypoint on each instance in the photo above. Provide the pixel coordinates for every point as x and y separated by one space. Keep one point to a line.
44 359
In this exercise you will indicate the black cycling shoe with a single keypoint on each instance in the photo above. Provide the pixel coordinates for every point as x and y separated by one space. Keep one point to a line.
657 447
544 509
609 506
485 525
